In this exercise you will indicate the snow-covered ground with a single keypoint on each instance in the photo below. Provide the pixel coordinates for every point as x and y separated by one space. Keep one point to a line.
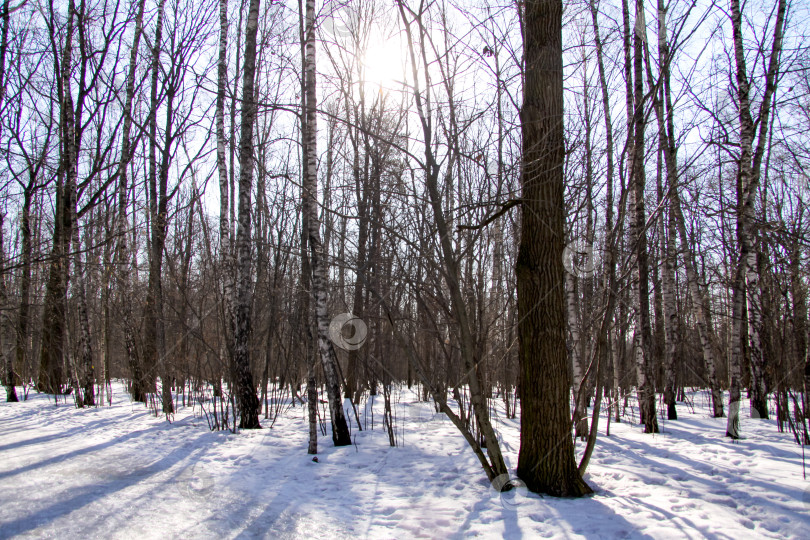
119 472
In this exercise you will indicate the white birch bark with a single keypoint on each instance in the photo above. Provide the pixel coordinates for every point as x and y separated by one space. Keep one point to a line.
340 429
746 283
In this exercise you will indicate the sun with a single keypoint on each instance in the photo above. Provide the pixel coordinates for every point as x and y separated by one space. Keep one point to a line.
384 66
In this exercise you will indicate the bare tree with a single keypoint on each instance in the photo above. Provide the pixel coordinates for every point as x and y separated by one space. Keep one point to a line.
340 429
746 288
546 460
246 389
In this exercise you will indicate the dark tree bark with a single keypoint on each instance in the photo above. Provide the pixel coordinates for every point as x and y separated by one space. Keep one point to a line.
249 407
6 360
51 376
155 332
546 460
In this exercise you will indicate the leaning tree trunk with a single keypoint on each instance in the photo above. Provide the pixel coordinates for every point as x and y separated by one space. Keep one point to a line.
546 460
496 470
340 429
249 406
602 347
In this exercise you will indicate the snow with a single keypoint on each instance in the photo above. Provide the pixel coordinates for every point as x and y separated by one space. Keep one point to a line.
119 472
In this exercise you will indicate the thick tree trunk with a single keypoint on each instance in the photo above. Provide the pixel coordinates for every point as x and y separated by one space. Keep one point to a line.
70 165
546 460
51 377
249 406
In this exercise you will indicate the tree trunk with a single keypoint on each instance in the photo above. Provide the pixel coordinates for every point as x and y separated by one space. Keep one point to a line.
340 429
612 235
496 468
798 293
746 284
641 290
667 228
546 460
572 313
155 334
6 360
51 377
226 252
79 292
249 406
123 256
23 339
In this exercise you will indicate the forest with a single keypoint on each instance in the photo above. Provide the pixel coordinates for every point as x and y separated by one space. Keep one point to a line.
565 232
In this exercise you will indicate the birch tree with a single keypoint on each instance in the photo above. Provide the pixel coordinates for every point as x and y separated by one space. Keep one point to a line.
746 289
340 429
